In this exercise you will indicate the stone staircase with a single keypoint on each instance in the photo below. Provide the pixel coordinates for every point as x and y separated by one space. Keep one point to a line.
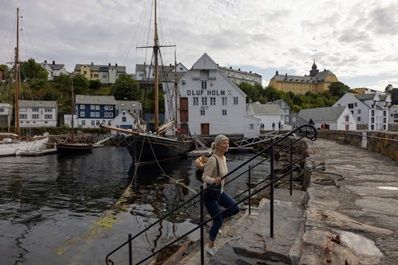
246 239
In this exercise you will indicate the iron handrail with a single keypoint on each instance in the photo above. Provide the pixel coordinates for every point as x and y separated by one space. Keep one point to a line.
309 133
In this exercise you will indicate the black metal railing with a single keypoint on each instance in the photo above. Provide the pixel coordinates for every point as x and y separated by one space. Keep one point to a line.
304 131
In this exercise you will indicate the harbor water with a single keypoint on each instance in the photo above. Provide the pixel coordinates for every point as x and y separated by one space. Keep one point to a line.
60 209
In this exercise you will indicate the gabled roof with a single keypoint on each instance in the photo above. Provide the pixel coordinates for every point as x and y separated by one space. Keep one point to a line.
37 104
322 114
371 96
319 77
85 99
205 63
127 104
266 109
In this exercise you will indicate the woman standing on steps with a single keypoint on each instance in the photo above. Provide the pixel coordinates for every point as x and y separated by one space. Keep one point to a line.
215 196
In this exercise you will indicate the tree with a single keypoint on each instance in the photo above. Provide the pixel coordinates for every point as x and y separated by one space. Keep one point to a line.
126 87
338 89
80 84
30 70
4 72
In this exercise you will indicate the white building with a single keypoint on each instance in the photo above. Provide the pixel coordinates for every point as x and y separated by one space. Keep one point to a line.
35 113
371 111
393 114
126 120
210 103
5 115
129 106
333 118
54 70
271 116
237 76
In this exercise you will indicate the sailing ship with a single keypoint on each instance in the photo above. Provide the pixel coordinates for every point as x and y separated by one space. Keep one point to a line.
147 147
71 146
11 144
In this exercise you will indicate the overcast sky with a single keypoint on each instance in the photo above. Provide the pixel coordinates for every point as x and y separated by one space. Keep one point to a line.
357 40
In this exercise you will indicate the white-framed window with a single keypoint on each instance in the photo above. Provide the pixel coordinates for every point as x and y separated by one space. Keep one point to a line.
23 116
48 116
97 114
202 112
124 119
92 114
224 101
213 101
92 122
22 110
204 85
195 101
92 107
224 112
359 111
82 114
83 122
35 109
204 101
251 126
1 109
35 116
350 106
110 107
48 109
82 106
236 102
97 107
97 122
355 104
359 118
105 107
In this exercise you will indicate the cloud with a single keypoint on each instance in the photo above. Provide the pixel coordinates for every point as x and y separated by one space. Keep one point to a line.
384 21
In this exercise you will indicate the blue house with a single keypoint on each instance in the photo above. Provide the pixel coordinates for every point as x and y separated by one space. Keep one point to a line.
92 111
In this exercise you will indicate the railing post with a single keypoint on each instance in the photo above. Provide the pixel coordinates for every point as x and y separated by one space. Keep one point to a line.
202 241
250 187
271 207
291 170
130 251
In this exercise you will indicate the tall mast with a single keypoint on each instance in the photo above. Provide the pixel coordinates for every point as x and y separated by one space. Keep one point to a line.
177 120
156 77
73 111
17 78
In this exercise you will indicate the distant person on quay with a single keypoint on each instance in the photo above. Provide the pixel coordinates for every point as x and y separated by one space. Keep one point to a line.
215 196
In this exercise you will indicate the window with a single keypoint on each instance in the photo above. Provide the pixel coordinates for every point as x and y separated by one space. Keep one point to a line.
251 126
195 101
202 112
384 113
235 100
384 120
97 107
48 116
352 111
372 112
82 106
204 101
97 114
224 112
35 109
22 110
372 127
350 106
372 120
1 109
110 107
82 114
48 109
92 114
105 107
97 122
355 104
204 85
213 101
93 122
35 116
124 119
224 100
23 116
83 122
359 118
347 118
92 107
359 111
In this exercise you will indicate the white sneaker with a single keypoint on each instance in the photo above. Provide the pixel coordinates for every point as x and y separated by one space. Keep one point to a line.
211 251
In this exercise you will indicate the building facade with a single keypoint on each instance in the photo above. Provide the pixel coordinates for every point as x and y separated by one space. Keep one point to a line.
371 111
271 115
315 82
92 111
331 118
5 115
237 76
35 113
210 103
106 74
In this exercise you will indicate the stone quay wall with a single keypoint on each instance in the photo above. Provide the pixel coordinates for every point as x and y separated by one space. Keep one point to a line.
385 143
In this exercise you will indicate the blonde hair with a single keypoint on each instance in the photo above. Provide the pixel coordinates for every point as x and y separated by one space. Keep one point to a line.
219 138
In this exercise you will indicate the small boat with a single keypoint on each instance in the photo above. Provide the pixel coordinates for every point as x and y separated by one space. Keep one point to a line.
74 148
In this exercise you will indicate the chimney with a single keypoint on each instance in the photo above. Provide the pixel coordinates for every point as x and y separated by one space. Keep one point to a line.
45 61
277 73
238 69
109 64
92 63
53 62
230 67
116 64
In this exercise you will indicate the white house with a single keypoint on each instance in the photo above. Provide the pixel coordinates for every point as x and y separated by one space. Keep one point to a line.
210 103
54 70
371 111
393 114
129 106
35 113
285 107
5 115
271 116
332 118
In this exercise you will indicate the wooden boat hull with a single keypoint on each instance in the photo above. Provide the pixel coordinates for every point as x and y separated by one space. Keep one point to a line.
152 148
74 148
